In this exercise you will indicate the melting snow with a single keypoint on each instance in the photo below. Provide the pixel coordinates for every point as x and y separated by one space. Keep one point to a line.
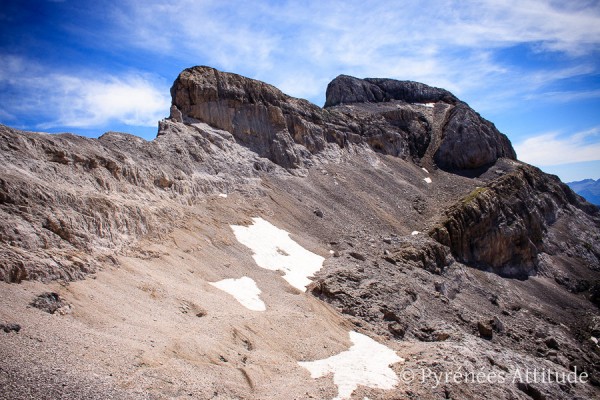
365 363
414 233
428 105
244 290
223 195
273 249
428 179
425 169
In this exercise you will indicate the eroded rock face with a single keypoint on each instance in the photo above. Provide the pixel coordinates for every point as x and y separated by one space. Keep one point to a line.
254 112
466 140
67 203
347 90
291 132
469 141
501 227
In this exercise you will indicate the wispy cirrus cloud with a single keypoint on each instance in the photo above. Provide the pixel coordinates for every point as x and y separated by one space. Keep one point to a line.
568 96
447 43
555 149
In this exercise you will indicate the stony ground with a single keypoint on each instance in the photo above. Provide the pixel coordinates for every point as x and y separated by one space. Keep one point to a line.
150 326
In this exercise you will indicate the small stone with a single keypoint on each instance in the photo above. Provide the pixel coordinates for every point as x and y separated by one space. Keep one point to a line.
485 331
358 256
10 327
49 302
318 213
441 288
397 329
387 240
498 325
552 343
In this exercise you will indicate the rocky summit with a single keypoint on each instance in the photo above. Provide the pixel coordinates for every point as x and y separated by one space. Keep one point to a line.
386 246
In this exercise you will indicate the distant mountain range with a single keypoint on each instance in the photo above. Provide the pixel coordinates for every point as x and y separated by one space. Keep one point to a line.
588 188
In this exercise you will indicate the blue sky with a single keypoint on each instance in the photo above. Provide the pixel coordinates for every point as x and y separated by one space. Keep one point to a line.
530 66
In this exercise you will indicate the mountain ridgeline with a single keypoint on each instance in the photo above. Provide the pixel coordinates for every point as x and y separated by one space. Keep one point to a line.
430 225
587 188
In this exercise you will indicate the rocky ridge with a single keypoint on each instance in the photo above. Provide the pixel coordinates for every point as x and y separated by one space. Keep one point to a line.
417 261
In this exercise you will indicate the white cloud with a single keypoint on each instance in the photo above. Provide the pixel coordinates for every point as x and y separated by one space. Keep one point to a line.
90 100
554 149
446 43
131 100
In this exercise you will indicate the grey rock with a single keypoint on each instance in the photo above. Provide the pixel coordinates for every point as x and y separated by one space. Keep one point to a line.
500 227
291 132
10 328
441 287
552 343
358 256
470 142
49 302
485 330
498 325
176 114
347 90
397 329
467 140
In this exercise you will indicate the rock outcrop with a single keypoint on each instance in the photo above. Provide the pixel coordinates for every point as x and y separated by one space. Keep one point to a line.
501 227
69 203
347 90
466 140
470 141
291 132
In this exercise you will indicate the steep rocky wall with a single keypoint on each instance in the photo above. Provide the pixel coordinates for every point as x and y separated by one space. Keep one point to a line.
470 141
467 141
291 132
501 227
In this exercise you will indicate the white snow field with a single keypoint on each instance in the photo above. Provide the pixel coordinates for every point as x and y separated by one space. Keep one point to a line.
365 363
273 249
428 179
243 290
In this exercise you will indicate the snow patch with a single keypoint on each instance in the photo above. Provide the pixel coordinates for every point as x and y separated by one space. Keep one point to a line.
428 105
223 195
425 169
273 249
365 363
428 179
414 233
243 290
